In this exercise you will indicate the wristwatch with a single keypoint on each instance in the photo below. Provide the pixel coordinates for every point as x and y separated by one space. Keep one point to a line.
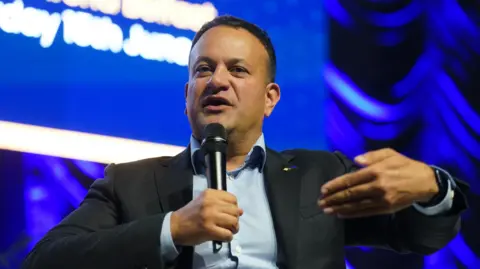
443 179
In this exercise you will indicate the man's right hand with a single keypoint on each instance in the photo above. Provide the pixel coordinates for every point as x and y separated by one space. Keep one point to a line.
211 216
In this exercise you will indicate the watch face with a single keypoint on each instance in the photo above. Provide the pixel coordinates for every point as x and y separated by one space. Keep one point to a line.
443 177
442 181
439 178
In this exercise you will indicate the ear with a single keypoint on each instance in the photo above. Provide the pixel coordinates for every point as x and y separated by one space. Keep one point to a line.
272 95
186 94
186 90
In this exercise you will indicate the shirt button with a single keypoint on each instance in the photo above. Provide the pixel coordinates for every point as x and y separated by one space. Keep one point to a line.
238 250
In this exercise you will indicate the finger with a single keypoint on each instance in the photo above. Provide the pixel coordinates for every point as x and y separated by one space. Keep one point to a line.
219 195
350 195
236 228
228 222
372 157
227 197
230 209
221 234
352 208
347 181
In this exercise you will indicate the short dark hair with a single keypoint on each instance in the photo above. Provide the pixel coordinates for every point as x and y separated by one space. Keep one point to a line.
259 33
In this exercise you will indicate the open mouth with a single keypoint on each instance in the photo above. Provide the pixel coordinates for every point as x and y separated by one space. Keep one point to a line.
213 101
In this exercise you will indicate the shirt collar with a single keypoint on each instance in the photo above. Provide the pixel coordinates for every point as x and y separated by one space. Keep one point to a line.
256 157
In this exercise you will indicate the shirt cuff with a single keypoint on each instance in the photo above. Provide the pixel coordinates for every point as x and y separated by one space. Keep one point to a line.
445 205
167 248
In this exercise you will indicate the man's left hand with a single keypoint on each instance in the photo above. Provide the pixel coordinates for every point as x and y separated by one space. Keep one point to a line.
387 183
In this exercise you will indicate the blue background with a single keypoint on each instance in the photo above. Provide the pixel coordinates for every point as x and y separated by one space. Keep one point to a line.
75 88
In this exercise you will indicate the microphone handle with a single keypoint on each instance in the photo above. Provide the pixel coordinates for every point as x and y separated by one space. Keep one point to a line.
217 169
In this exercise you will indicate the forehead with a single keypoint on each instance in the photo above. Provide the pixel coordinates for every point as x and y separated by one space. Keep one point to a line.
224 42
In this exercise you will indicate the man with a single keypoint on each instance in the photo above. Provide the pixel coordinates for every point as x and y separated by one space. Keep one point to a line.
295 209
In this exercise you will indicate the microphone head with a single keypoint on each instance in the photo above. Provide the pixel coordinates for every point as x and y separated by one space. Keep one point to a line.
215 139
215 131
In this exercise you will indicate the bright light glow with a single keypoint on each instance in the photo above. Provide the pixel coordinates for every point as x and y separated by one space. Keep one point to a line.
156 46
348 265
37 193
59 174
420 72
89 169
111 7
180 14
397 18
338 12
464 253
443 259
30 22
361 103
340 129
86 30
78 145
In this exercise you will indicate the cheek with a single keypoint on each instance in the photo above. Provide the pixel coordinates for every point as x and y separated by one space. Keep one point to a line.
194 92
253 101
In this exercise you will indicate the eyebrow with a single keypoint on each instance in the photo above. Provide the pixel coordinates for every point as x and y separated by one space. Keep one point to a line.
203 59
211 61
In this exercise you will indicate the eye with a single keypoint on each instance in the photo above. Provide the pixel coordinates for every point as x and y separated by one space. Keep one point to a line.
238 69
203 68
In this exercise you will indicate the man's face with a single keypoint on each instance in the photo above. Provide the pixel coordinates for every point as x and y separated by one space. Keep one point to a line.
228 81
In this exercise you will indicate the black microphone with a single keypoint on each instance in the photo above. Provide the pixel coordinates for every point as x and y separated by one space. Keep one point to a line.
214 147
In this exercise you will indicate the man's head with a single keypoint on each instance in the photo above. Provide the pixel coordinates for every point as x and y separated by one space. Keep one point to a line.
232 69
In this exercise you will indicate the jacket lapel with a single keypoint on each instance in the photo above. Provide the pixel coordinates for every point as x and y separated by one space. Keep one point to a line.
174 184
283 182
174 181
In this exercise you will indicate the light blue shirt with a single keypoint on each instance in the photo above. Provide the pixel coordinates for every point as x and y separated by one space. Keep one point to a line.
254 246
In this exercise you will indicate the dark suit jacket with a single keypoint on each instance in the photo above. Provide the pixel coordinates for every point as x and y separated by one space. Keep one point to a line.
118 224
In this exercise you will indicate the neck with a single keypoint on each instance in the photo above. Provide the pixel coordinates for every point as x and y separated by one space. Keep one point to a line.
239 145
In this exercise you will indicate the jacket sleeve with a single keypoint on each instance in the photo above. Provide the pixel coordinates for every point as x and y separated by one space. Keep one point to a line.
407 231
92 236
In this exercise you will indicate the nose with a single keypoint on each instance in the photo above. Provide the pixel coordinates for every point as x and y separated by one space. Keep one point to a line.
219 80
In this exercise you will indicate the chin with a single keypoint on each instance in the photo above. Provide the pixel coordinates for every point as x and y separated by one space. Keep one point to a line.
213 119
